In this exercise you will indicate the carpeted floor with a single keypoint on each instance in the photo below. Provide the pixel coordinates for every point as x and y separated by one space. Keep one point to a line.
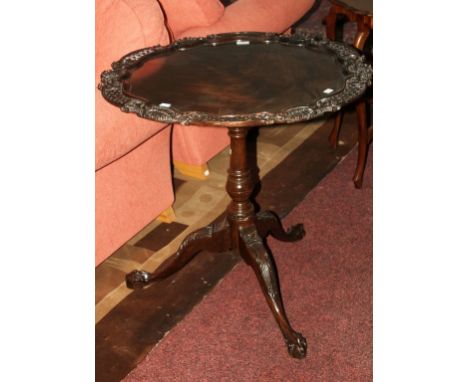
326 282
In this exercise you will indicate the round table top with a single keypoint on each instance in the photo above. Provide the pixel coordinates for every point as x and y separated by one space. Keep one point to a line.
237 79
358 6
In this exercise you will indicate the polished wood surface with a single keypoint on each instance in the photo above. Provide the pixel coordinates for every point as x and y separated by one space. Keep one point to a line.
242 79
237 79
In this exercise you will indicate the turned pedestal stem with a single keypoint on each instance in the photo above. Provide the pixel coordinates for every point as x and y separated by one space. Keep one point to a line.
239 184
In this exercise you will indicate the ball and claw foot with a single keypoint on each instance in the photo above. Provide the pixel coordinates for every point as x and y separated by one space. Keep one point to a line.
268 223
296 232
137 279
298 348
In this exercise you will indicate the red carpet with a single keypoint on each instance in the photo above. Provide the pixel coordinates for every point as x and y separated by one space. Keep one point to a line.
326 282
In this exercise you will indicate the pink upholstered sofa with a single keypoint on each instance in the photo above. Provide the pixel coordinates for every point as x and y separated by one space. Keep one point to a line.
133 164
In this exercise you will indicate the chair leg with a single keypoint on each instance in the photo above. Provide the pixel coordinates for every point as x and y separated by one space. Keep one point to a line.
333 137
363 143
362 35
331 23
331 26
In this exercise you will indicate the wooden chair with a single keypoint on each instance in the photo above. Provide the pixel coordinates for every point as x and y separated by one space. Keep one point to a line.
360 12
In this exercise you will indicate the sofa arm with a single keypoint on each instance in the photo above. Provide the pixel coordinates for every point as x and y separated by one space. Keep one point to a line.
255 16
187 14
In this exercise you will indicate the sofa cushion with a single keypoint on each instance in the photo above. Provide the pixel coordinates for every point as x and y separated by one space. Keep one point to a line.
182 15
121 27
255 16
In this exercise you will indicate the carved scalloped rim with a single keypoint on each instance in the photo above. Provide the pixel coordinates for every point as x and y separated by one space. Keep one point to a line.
360 76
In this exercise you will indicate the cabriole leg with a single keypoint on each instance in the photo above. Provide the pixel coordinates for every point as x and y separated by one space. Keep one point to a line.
257 256
213 238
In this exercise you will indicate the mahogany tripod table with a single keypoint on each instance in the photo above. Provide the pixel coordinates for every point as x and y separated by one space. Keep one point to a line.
238 81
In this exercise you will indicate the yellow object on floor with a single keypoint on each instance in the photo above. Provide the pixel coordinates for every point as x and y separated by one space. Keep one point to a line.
197 171
167 216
